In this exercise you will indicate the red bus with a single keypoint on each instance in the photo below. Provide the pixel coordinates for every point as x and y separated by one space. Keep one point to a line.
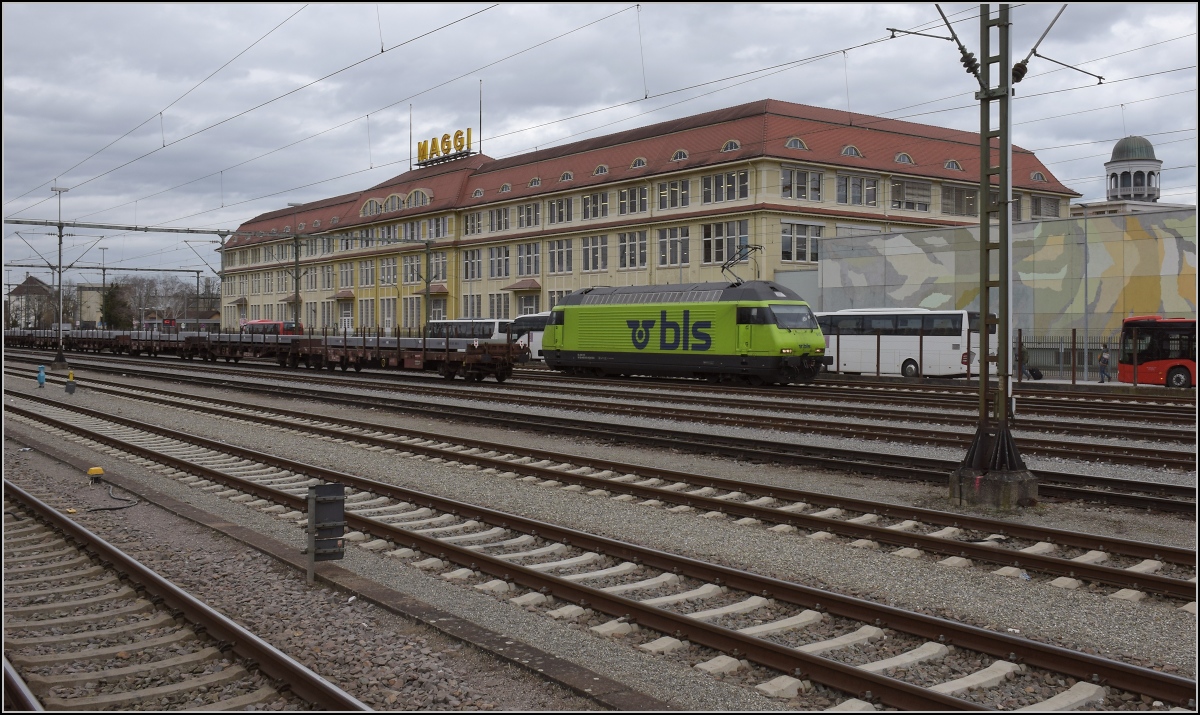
1165 354
273 327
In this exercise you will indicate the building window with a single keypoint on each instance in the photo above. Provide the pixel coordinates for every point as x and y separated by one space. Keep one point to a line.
327 278
417 198
679 155
372 207
632 201
395 202
387 310
472 306
368 238
1044 207
346 275
310 280
595 253
722 241
366 313
911 195
366 273
498 305
638 163
474 223
506 188
602 169
558 256
559 210
498 219
631 250
595 205
437 227
725 187
498 262
994 196
437 308
799 243
800 184
387 271
731 145
566 176
411 270
269 282
437 268
953 165
535 181
528 304
529 215
554 296
674 246
333 221
528 259
851 150
412 231
472 264
672 194
796 143
1037 176
903 158
957 201
857 190
412 313
477 193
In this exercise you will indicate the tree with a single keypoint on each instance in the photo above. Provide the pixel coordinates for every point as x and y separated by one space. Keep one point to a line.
115 310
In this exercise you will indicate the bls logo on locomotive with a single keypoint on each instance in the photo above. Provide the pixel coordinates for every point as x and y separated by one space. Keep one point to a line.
685 336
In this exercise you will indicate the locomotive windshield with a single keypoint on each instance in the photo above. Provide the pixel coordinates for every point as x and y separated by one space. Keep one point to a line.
794 317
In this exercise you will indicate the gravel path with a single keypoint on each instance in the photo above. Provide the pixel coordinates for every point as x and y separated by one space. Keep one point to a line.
1151 632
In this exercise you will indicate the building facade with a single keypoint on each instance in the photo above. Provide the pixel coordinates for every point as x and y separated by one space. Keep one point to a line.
761 184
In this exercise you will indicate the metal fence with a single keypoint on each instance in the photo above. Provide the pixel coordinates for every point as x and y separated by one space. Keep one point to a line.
1051 353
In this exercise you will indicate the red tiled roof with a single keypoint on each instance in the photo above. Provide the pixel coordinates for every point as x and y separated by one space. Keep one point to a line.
526 284
435 289
761 128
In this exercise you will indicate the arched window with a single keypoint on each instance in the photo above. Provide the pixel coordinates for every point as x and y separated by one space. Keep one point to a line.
1125 179
333 221
731 145
535 181
795 143
953 165
317 223
602 169
1152 179
1139 178
477 193
851 150
903 158
638 163
417 198
286 229
1037 176
300 227
506 188
371 208
679 155
566 176
395 202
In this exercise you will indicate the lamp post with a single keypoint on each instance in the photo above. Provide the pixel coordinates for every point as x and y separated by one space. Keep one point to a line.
60 360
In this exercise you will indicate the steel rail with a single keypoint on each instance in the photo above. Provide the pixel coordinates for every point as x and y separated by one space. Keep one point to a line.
304 682
842 677
878 463
17 695
298 419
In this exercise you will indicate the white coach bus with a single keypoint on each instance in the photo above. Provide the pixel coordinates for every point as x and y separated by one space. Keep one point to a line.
904 341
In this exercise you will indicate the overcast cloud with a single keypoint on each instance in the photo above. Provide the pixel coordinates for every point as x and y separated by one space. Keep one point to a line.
77 77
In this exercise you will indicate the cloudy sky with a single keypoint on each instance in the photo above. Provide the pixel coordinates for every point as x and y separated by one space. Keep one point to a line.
203 116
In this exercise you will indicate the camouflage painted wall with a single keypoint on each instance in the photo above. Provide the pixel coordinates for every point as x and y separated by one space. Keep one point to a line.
1136 264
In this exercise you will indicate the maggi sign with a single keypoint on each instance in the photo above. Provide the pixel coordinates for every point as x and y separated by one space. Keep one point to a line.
436 148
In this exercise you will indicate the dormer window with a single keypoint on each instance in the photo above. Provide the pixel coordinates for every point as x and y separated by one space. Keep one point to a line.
953 165
333 221
679 155
478 193
851 150
796 143
638 163
317 223
566 176
417 198
602 169
395 202
1037 176
371 208
506 188
903 158
300 227
535 181
286 229
272 232
731 145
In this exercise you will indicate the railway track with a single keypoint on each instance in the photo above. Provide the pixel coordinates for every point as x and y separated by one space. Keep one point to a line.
1054 485
89 628
807 637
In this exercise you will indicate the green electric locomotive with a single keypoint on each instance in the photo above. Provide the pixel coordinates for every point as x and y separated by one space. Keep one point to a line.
756 332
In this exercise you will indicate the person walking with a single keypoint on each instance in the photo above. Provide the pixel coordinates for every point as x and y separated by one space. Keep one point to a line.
41 376
1104 358
1024 356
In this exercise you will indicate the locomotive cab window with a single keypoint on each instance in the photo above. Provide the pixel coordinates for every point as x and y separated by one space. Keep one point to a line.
754 316
557 317
794 317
